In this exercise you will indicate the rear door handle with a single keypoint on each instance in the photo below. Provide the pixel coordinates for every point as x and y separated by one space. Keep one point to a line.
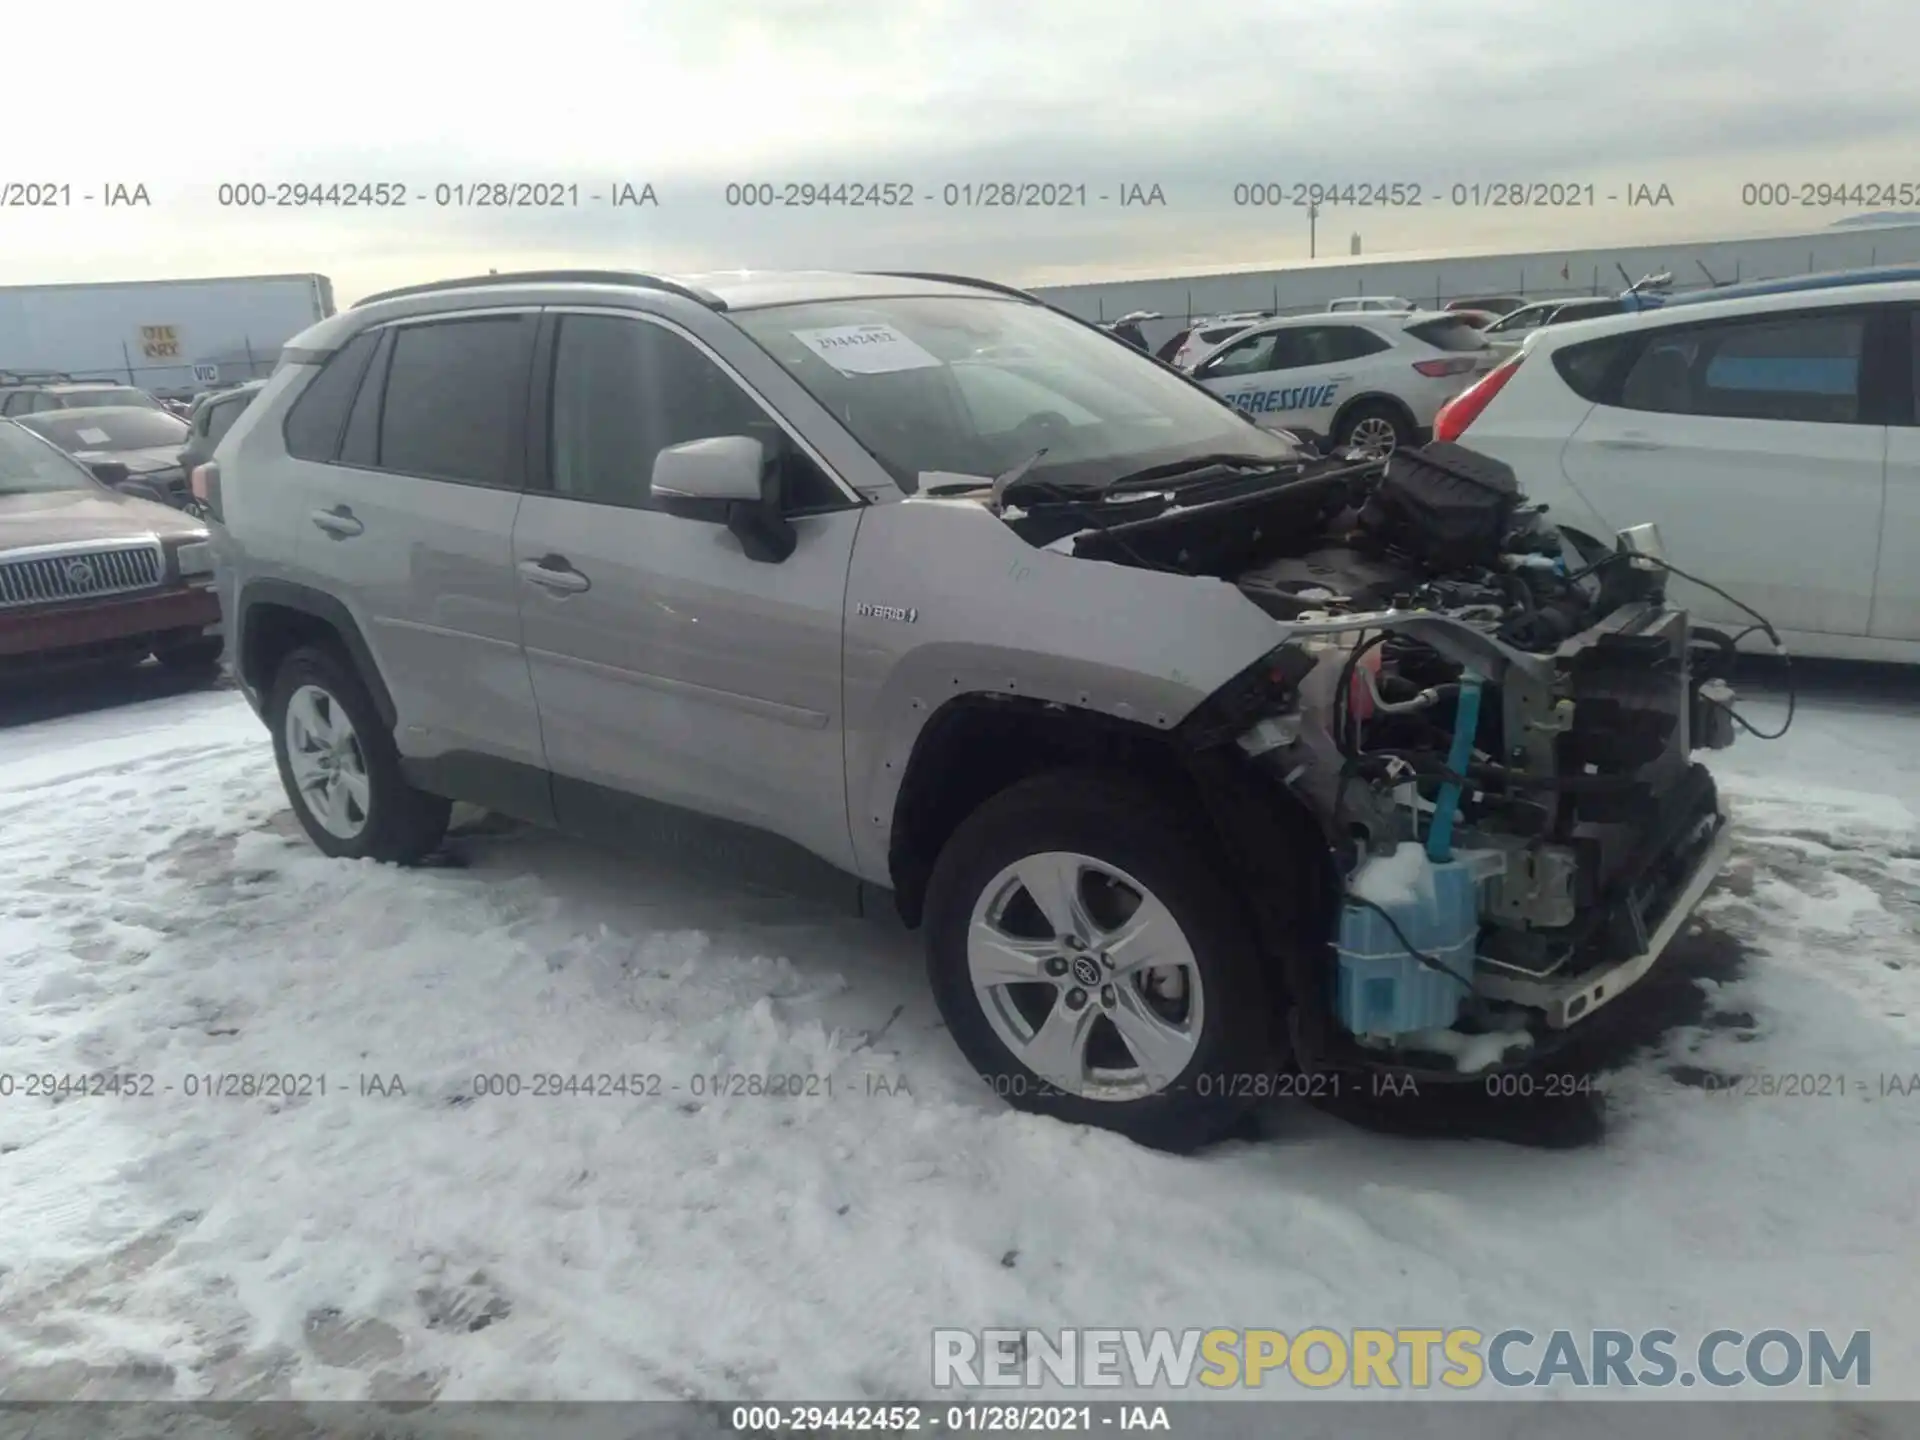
554 573
1630 442
338 522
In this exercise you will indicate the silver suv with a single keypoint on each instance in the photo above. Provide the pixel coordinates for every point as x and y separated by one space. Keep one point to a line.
1200 762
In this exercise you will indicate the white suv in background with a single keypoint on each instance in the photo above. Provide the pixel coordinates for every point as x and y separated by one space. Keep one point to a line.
1370 304
1772 438
1370 382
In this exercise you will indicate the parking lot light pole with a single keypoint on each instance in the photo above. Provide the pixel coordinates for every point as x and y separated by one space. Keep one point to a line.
1313 244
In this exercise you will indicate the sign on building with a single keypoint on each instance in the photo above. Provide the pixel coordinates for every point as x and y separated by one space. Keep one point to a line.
159 342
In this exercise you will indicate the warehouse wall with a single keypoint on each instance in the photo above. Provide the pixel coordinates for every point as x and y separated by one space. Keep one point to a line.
1434 279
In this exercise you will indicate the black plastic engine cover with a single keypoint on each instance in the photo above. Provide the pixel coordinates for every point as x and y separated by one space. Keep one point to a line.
1444 505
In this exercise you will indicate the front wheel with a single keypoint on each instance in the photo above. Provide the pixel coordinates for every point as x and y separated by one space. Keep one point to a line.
1091 964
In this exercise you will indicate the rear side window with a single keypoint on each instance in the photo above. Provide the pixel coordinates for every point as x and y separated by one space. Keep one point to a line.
1805 368
1349 342
1448 334
1588 366
455 400
314 423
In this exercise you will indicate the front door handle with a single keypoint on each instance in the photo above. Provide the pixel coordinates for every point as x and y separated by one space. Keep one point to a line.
338 522
1630 442
553 572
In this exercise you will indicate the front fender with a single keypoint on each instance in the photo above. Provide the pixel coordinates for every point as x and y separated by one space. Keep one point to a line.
944 600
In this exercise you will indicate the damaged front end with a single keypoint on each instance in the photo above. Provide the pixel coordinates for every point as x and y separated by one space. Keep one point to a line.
1495 722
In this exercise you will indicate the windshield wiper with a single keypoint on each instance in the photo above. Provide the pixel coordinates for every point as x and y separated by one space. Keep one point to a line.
1189 468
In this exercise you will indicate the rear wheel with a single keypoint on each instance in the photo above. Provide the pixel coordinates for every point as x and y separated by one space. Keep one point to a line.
1374 428
340 768
1092 966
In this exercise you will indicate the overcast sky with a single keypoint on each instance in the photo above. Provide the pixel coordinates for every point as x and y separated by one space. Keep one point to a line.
1193 96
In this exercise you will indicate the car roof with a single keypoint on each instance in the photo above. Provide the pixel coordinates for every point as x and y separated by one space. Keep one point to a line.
1399 320
1732 307
723 291
1787 284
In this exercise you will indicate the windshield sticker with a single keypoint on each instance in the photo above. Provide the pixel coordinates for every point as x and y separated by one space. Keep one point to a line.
866 349
94 437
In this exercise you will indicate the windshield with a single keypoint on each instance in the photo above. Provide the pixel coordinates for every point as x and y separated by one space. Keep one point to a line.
959 385
108 430
30 466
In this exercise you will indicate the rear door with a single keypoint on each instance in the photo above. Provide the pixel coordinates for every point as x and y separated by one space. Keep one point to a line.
669 667
1896 601
1749 443
412 526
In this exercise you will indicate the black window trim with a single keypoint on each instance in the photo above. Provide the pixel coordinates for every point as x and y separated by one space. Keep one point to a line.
547 351
1880 332
384 334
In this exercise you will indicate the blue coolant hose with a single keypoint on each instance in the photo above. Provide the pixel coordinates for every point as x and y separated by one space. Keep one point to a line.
1466 721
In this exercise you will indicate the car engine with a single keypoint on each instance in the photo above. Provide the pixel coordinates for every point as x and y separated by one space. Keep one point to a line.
1495 720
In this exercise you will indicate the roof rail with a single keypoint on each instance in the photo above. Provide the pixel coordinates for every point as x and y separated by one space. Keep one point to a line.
34 377
966 280
554 277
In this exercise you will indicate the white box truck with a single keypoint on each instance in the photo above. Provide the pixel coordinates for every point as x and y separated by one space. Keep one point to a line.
171 338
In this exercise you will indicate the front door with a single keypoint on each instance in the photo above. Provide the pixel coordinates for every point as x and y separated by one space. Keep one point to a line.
1281 379
668 667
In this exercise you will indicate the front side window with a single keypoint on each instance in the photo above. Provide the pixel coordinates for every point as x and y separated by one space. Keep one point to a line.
1519 321
625 389
1804 368
1252 356
31 466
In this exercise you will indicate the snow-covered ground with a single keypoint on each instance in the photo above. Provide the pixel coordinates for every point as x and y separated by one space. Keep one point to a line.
160 915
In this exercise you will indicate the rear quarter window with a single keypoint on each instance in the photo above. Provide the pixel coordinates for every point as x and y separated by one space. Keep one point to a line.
1448 334
319 415
1591 367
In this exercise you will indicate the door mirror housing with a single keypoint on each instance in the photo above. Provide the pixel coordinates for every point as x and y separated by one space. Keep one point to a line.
110 472
727 480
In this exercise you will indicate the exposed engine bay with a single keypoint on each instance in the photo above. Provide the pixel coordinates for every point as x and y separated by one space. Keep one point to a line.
1494 719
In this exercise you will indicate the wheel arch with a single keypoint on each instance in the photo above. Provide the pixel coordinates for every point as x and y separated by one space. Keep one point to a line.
1371 397
976 746
276 617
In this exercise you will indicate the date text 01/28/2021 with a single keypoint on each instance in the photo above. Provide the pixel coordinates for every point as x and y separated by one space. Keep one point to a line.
953 195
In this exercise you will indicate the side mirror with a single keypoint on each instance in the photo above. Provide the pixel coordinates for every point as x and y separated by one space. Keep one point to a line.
110 472
727 480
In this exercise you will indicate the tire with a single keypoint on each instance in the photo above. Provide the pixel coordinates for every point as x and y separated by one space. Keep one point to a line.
382 817
1140 835
1374 417
201 655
